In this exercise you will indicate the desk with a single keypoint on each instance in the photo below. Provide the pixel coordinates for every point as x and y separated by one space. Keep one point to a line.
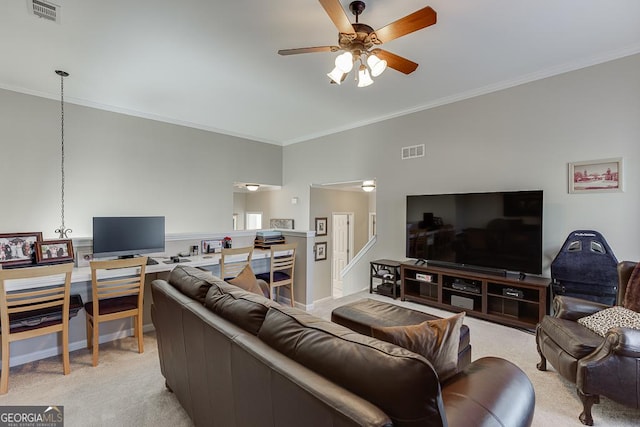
46 346
83 274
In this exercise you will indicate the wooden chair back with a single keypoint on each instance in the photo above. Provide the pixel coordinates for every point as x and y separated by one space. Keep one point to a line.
233 260
283 259
25 299
104 285
115 295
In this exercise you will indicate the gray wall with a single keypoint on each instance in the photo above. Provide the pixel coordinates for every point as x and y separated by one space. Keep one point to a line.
516 139
120 165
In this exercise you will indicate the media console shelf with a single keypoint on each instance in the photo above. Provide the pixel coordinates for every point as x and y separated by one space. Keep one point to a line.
508 300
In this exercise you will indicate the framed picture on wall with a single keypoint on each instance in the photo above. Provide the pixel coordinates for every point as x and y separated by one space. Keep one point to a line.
17 248
283 223
320 250
596 176
321 226
54 251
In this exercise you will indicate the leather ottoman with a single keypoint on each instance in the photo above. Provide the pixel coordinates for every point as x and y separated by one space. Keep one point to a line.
361 315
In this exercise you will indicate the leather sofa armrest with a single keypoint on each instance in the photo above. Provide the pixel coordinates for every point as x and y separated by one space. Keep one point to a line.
612 368
621 342
489 392
624 341
571 308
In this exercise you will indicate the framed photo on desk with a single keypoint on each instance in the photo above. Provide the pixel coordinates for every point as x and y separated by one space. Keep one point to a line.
17 248
54 251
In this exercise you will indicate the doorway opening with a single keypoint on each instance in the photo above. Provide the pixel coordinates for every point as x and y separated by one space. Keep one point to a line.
342 239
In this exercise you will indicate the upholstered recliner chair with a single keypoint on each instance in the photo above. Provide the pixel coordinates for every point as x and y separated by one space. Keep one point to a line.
607 365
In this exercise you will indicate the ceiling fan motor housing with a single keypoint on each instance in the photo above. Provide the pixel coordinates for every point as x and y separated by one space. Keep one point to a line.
363 39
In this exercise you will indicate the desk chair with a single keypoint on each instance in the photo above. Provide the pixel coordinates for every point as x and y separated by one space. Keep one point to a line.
281 272
20 303
117 298
233 261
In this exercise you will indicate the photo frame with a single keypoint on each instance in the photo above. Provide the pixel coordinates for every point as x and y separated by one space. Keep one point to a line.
320 251
283 223
211 246
596 176
18 248
321 226
54 251
84 256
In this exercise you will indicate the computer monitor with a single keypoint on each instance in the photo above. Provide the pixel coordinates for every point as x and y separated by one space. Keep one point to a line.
127 236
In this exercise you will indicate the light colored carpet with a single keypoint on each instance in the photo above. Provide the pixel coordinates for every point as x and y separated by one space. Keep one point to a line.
127 388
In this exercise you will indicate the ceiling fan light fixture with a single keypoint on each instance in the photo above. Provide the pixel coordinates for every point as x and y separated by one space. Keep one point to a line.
252 187
364 78
336 75
345 62
376 65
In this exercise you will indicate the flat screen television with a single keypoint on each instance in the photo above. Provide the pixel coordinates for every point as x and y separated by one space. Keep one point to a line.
497 231
127 236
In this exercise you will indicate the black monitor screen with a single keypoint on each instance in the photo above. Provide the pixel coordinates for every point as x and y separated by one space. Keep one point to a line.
127 235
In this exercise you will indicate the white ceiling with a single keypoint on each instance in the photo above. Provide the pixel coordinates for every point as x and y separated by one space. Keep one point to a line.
212 64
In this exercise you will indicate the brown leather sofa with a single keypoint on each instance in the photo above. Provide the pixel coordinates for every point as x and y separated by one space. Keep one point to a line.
234 358
607 366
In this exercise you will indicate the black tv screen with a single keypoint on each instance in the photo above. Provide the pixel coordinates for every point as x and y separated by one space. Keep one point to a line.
497 230
125 236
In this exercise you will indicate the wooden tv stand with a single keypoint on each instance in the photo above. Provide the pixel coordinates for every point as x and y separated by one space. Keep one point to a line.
508 300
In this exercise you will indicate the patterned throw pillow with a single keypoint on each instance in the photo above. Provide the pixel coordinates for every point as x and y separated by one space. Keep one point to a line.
614 317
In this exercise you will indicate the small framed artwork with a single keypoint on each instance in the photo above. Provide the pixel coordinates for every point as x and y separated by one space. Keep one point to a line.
54 251
83 257
17 248
321 226
320 250
211 246
283 223
596 176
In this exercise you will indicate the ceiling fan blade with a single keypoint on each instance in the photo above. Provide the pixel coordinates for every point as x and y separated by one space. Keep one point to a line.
396 62
338 16
410 23
308 50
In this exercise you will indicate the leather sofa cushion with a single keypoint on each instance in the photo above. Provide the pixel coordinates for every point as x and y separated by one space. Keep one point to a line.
400 382
192 282
243 308
571 336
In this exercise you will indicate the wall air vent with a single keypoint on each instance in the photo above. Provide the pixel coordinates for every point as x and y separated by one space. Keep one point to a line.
412 151
44 9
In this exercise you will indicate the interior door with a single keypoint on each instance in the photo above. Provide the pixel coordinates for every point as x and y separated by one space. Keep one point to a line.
342 238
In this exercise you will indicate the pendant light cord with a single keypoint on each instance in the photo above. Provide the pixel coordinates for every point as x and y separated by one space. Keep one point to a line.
62 231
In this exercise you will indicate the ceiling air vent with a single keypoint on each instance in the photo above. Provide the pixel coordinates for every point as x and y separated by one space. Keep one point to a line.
412 151
44 9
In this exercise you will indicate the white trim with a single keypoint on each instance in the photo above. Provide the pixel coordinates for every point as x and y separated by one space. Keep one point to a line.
356 259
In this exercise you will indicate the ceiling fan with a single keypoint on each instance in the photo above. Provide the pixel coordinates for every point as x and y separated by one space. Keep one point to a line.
359 42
